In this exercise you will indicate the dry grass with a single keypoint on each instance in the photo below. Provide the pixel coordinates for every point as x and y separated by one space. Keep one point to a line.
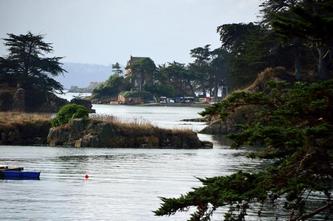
277 73
136 124
10 118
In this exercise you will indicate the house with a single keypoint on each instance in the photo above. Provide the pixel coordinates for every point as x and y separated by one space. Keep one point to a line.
140 71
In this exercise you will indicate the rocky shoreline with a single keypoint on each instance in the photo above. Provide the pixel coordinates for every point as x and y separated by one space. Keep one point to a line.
96 133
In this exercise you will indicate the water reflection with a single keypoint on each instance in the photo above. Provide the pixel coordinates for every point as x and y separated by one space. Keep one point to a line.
124 184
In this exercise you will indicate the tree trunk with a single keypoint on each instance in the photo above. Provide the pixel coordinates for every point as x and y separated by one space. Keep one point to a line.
298 65
297 48
216 89
323 63
191 88
204 92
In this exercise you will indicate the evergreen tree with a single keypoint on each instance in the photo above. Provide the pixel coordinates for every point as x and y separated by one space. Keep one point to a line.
308 21
116 69
293 130
27 66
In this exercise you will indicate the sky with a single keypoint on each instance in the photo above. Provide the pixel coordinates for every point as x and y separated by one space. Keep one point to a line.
109 31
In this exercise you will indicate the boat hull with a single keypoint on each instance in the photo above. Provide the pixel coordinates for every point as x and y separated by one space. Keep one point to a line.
19 175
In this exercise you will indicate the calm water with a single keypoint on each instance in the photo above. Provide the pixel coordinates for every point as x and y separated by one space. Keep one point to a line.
124 184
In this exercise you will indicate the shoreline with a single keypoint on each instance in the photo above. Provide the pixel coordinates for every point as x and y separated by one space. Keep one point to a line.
160 105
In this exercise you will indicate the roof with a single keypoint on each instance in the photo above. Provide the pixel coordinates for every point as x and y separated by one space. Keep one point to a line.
136 60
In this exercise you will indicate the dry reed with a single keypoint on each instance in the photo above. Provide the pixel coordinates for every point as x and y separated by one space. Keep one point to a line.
10 118
136 124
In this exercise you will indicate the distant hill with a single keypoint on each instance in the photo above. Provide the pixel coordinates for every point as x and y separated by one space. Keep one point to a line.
82 74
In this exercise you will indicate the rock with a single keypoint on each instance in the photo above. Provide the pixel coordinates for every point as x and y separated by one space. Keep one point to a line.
202 119
86 103
52 104
216 127
241 115
207 144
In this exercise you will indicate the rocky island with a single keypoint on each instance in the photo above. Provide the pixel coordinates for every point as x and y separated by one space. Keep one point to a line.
36 129
115 134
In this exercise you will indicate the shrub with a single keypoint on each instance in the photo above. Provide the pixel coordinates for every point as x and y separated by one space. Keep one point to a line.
69 112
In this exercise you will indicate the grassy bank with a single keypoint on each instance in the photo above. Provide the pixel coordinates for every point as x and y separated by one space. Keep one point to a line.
23 129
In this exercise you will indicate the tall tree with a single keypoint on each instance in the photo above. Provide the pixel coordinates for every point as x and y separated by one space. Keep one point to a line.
245 43
219 69
116 69
200 67
292 129
252 48
306 20
176 75
27 64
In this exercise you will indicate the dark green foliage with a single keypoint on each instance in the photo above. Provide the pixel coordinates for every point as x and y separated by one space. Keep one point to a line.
309 23
251 48
161 89
116 69
69 112
112 87
174 79
27 66
293 126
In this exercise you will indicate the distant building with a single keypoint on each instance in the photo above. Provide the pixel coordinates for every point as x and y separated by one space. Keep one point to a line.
140 71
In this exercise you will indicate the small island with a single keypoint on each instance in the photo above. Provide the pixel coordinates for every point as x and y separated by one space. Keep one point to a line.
100 131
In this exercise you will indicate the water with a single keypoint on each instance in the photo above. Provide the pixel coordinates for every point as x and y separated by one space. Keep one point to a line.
162 116
124 184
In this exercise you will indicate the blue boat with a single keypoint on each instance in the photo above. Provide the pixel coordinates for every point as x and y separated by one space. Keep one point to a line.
17 173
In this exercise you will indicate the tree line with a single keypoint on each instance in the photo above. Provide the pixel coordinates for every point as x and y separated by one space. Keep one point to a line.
293 34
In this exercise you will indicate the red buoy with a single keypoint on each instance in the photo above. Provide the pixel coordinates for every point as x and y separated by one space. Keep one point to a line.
86 176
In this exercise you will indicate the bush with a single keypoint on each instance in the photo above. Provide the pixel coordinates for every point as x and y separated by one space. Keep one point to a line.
69 112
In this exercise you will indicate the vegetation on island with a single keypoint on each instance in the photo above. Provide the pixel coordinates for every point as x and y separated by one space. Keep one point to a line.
291 124
173 79
69 112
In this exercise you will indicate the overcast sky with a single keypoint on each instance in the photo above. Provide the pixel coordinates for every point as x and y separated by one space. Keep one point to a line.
107 31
